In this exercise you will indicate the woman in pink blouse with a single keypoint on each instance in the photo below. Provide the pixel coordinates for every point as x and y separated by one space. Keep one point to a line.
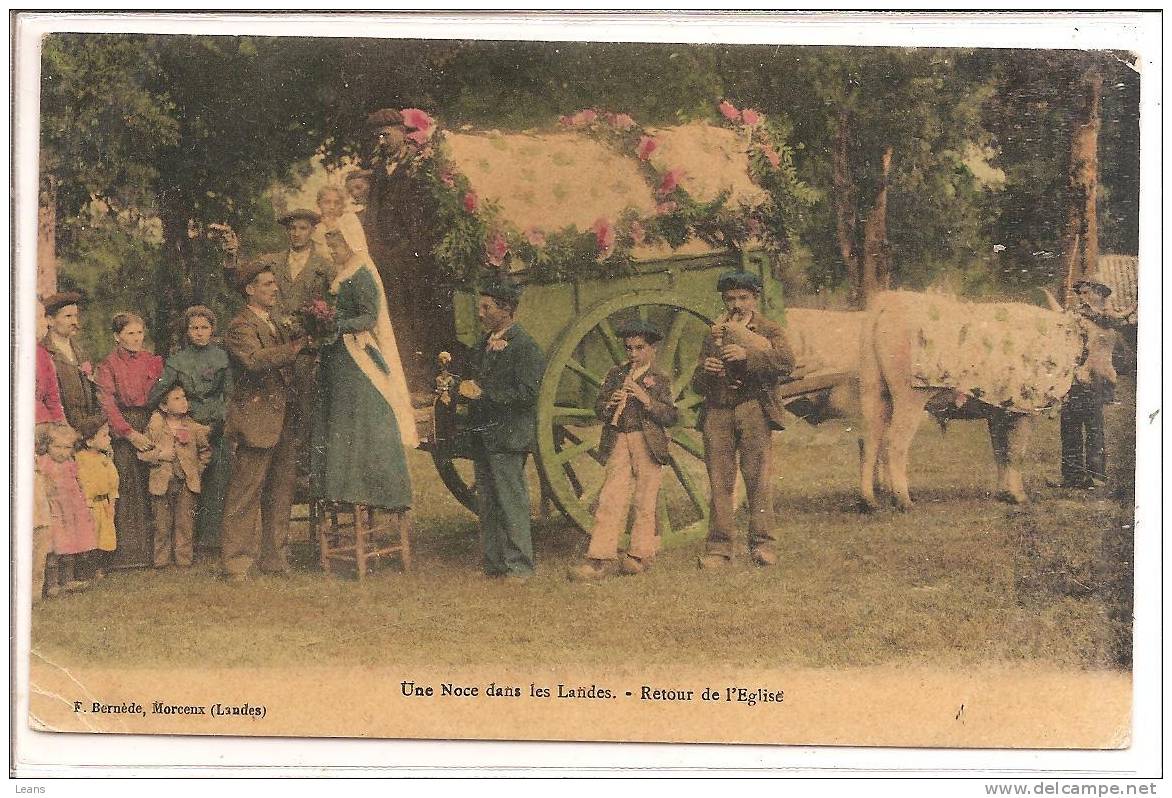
124 380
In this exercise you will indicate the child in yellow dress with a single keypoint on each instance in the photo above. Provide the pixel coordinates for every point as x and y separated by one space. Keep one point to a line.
99 482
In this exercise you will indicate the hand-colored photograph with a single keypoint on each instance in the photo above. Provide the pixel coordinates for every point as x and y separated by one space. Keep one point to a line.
582 390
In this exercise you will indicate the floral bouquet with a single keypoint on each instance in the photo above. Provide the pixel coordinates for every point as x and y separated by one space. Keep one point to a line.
318 319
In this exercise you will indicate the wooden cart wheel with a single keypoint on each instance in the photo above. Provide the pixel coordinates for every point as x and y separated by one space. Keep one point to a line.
568 431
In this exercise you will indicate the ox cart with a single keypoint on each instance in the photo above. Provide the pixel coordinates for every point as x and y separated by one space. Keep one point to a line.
575 319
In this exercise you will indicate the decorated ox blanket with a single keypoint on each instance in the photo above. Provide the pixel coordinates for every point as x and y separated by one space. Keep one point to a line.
1018 357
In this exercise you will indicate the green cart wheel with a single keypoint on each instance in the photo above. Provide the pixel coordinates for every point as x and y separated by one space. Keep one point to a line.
568 430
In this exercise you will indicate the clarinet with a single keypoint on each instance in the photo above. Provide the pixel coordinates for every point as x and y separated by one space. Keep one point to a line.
621 403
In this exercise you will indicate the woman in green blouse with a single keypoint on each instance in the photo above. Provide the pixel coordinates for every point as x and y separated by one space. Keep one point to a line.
202 369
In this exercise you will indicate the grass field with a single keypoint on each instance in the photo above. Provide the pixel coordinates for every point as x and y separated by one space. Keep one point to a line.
963 579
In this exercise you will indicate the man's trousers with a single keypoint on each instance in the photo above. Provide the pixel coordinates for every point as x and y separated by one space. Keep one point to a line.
258 506
1084 453
502 496
729 432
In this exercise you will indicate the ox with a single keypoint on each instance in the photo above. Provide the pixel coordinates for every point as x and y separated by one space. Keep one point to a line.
1000 361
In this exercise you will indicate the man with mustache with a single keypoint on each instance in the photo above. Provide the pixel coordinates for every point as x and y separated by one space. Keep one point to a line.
79 397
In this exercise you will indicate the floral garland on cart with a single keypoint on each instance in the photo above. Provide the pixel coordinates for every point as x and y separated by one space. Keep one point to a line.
476 242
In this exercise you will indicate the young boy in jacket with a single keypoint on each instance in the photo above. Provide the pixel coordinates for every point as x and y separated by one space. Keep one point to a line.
635 405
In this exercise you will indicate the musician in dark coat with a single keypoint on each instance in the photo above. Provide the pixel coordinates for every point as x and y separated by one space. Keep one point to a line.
506 369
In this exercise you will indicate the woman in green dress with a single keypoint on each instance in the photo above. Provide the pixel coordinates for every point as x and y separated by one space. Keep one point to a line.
202 369
363 421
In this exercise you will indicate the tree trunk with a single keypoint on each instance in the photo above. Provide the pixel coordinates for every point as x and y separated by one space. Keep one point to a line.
876 270
47 239
1082 227
173 276
845 199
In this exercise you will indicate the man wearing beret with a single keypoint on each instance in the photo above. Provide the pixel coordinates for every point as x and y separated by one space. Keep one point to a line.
742 360
399 222
79 397
260 426
506 366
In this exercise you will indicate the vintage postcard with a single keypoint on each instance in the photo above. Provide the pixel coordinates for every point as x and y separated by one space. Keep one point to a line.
412 377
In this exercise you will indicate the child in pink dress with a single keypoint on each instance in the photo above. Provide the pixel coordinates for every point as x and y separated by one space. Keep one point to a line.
70 524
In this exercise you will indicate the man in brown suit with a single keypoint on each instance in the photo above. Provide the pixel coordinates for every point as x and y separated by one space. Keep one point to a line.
260 420
303 274
79 397
741 361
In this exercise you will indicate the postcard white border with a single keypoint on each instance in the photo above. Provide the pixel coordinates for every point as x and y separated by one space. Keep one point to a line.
39 754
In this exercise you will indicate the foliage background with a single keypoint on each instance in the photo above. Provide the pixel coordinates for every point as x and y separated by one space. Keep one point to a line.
146 140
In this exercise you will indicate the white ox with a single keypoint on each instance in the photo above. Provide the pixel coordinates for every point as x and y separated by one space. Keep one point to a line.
1000 361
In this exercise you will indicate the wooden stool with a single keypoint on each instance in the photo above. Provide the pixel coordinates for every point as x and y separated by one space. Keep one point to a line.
347 533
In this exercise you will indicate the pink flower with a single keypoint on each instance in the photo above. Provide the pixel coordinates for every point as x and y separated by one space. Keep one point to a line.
750 117
496 249
664 208
448 178
729 110
471 202
647 145
671 181
771 155
420 137
638 234
604 234
87 369
535 237
621 121
417 119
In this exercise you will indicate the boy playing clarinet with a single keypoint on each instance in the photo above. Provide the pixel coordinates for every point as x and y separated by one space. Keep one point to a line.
635 405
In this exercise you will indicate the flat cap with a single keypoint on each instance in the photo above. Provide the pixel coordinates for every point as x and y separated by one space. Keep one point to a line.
383 117
730 281
247 271
502 289
313 217
60 300
640 328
